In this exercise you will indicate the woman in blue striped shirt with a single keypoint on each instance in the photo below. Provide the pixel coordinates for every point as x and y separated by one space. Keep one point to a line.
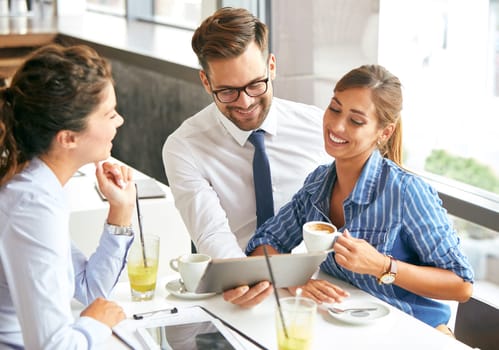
398 242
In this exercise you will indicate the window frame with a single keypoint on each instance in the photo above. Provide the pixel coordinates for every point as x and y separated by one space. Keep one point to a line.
466 202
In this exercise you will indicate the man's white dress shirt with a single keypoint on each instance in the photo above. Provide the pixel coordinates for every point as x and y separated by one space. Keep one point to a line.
41 271
208 162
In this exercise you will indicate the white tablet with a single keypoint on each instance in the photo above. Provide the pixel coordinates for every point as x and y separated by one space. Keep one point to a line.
288 270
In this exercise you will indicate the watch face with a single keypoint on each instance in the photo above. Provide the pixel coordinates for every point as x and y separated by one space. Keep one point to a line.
387 279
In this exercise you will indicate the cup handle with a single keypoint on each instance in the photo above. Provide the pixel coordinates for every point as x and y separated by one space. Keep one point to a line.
174 264
336 235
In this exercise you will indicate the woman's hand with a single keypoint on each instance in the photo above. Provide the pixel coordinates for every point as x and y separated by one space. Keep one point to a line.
105 311
321 291
116 184
432 282
359 256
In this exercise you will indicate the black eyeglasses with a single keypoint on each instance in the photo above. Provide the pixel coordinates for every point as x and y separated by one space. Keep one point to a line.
254 89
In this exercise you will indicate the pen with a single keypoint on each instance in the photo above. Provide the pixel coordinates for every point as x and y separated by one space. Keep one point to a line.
140 316
227 324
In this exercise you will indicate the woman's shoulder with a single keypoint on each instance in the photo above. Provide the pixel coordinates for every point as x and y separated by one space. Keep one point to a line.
35 186
406 178
317 178
320 172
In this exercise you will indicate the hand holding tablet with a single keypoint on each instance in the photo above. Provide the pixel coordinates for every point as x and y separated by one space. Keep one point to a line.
289 270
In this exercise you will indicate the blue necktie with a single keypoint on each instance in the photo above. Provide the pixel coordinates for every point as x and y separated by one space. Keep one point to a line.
261 178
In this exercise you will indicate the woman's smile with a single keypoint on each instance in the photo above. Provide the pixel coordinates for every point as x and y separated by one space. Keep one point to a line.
336 139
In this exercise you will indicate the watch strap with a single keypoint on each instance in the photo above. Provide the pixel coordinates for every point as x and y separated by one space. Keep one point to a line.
119 230
393 265
388 277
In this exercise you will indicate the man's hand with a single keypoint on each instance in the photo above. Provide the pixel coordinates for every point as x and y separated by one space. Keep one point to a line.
247 297
321 291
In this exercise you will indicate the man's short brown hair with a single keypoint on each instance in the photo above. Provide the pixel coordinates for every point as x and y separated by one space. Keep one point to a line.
227 33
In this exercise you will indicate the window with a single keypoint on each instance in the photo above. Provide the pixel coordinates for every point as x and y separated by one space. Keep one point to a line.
116 7
185 14
188 14
445 54
182 13
494 28
481 246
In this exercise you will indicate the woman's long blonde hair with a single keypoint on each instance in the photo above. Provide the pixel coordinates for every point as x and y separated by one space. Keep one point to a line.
386 91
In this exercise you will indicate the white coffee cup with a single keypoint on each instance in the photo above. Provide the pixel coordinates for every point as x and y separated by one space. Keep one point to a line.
319 235
191 267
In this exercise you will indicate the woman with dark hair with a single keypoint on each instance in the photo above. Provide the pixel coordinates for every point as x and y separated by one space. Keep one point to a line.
398 243
57 115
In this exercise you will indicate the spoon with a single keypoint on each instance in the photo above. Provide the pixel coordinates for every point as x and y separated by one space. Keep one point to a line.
337 310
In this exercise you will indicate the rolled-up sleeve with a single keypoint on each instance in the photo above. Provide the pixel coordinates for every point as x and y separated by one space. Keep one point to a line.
430 230
97 276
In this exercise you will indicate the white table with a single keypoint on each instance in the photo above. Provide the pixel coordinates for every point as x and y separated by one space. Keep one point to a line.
88 212
396 331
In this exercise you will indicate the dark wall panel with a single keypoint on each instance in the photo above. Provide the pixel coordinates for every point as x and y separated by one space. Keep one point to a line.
153 106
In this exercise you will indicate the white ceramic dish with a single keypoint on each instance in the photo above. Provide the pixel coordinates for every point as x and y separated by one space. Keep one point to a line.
175 288
360 317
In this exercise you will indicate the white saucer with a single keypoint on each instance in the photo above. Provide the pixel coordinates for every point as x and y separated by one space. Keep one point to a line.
363 317
175 287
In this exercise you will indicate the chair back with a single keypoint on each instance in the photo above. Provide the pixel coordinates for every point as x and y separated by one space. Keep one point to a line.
477 324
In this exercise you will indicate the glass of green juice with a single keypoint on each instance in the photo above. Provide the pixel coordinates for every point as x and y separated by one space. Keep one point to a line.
142 273
295 323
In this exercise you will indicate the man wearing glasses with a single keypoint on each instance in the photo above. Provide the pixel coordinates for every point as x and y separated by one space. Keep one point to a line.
208 159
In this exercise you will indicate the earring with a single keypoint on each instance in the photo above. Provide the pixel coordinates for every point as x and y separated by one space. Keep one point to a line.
378 143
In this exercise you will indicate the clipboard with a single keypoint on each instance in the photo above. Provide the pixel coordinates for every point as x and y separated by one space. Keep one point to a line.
180 330
289 270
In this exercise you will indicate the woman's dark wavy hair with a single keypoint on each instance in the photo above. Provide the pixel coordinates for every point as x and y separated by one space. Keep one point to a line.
55 89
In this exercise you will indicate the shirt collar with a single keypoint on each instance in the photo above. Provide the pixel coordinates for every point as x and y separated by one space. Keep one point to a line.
320 190
44 170
269 125
363 191
38 169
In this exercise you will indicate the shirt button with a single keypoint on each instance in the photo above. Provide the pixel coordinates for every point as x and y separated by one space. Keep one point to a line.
274 189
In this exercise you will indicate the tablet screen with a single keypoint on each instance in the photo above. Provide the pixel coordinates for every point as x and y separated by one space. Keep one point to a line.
189 336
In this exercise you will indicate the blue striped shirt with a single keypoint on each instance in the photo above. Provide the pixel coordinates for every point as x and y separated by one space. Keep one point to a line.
395 211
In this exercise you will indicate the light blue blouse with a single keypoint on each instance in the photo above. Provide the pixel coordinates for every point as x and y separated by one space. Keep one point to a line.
395 211
40 270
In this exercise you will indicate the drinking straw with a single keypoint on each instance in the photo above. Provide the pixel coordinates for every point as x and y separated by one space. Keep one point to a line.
297 295
295 309
275 292
141 233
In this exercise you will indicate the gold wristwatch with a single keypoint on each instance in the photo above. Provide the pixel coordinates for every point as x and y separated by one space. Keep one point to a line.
389 276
